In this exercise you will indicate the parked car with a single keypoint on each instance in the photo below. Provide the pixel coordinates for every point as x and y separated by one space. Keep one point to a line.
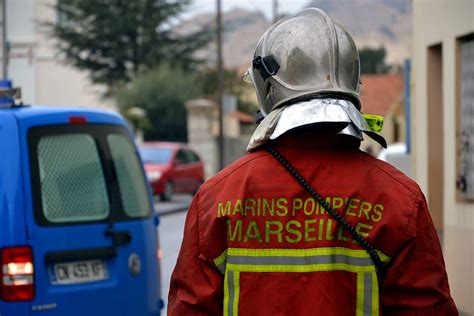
172 168
78 235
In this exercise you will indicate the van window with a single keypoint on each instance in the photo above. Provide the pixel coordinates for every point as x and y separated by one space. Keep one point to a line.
86 173
134 194
72 182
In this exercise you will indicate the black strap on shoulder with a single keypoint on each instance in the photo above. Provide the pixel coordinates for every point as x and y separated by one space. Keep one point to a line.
381 266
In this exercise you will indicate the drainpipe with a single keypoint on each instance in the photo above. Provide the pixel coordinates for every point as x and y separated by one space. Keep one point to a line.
4 40
407 96
220 84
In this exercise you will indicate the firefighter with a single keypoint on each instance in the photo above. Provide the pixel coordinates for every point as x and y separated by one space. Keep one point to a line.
306 223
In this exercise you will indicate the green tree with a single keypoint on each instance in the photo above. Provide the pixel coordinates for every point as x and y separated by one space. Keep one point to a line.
233 85
162 93
372 60
114 40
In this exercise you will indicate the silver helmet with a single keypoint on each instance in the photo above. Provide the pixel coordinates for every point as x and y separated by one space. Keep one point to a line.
306 71
302 57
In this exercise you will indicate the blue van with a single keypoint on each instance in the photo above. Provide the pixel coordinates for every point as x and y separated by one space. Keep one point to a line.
78 235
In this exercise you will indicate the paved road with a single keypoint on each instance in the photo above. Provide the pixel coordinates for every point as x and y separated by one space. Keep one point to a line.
180 202
172 217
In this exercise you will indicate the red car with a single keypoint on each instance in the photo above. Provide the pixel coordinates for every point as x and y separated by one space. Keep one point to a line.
171 168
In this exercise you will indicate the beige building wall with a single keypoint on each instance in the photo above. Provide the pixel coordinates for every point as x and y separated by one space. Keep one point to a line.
437 25
35 65
201 133
56 82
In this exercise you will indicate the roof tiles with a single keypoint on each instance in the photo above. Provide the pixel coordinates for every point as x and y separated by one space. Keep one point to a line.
379 93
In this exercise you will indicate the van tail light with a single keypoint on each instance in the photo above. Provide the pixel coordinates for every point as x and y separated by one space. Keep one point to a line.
159 257
77 120
17 274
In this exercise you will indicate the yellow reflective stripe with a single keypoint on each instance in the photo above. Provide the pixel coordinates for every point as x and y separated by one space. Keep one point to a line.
231 293
330 258
368 294
375 295
220 261
367 300
383 256
233 261
360 295
300 268
236 293
302 252
226 293
300 261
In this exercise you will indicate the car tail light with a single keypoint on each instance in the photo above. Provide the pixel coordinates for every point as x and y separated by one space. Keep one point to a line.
17 274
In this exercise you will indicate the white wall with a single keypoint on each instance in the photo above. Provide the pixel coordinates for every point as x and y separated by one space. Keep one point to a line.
434 22
20 35
35 65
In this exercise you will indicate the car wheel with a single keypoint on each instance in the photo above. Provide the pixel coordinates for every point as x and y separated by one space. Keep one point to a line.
168 192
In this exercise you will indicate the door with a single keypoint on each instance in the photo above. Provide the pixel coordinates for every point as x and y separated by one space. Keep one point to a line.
435 137
94 242
188 171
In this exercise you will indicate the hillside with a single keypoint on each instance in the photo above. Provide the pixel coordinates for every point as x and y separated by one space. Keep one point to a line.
371 22
374 23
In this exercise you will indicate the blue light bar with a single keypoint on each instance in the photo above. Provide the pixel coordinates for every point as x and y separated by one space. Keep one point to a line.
8 94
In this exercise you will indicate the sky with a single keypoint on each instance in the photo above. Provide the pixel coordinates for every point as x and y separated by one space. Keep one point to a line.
266 6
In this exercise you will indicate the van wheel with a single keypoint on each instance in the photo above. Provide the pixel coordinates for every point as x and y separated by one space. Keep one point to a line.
168 193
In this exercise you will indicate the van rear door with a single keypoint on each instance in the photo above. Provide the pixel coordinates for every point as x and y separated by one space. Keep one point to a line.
94 241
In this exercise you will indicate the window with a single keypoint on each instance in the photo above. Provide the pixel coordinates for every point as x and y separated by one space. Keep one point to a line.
182 158
156 155
465 179
72 181
186 156
61 14
193 156
85 173
133 188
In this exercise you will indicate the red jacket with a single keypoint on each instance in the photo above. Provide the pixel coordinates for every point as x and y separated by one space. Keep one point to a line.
256 243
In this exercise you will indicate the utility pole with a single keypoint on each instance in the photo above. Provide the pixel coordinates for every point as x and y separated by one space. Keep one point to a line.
4 40
220 84
275 11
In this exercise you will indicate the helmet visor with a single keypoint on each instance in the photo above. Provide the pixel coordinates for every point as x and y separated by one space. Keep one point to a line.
246 77
259 85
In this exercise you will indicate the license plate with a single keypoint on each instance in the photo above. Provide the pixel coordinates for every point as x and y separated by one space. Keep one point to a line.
80 272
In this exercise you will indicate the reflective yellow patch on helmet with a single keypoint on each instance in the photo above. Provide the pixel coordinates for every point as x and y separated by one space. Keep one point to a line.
375 122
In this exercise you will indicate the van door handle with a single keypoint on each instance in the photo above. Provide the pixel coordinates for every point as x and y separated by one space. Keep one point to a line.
119 237
80 254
